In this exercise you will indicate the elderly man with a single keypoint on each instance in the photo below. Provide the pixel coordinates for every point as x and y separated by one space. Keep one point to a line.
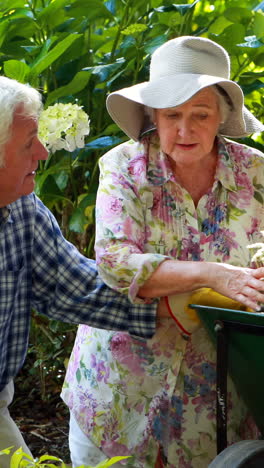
39 268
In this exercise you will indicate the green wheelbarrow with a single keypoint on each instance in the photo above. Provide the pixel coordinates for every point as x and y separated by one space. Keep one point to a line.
239 339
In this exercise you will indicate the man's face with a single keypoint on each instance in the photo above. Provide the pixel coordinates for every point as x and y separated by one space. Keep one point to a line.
21 155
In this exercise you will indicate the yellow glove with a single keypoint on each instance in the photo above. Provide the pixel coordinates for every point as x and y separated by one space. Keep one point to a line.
209 297
186 318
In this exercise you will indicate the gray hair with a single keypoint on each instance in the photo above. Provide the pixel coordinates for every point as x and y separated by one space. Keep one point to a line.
224 102
13 95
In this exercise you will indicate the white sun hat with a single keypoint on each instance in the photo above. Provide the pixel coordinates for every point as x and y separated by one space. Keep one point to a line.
179 69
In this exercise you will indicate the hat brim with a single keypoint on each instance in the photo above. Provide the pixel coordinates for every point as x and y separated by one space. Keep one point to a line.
126 105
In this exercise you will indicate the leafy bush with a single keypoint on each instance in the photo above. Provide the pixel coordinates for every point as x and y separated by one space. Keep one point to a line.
19 459
80 50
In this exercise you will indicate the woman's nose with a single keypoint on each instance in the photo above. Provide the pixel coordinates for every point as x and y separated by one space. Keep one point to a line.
184 127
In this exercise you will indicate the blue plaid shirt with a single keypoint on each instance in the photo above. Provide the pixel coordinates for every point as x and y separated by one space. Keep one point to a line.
39 269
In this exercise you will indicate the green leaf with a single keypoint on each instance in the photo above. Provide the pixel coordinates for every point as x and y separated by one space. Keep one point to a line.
53 170
76 85
16 70
91 9
61 178
134 29
104 71
23 28
48 457
250 142
6 5
260 6
112 461
44 50
53 54
238 15
252 75
232 35
53 14
3 32
170 19
247 89
17 457
111 6
103 142
183 9
6 451
258 27
251 41
259 60
219 25
88 200
50 190
77 220
19 13
32 49
152 45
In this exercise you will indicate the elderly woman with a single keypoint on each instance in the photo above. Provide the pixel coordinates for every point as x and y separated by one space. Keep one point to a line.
176 211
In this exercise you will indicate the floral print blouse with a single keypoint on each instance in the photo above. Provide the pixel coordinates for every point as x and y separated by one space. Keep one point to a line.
136 397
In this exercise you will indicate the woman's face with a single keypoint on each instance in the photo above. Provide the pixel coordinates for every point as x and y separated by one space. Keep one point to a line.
187 132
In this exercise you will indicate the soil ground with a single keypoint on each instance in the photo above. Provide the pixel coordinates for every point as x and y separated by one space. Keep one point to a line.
44 424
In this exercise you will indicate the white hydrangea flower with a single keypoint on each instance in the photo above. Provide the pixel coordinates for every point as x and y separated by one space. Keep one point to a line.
63 126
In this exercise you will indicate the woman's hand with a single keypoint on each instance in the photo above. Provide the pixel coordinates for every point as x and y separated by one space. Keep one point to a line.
241 284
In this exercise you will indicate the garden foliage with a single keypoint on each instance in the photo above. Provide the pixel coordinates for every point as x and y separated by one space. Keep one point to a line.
80 50
20 459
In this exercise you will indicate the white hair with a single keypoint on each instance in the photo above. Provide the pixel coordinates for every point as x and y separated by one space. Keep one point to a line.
224 103
15 96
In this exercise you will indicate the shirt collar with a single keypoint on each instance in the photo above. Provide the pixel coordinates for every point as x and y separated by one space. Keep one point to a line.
225 173
159 169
